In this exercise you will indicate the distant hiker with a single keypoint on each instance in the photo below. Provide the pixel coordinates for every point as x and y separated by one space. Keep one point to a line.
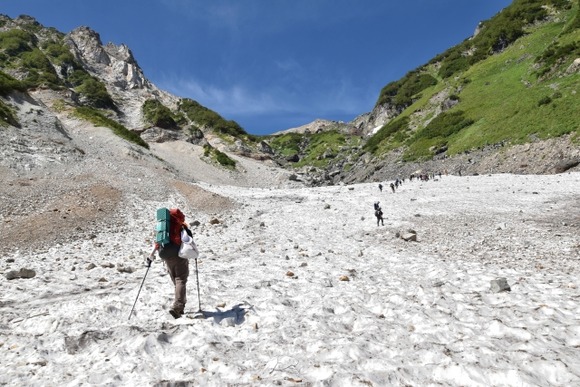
393 187
380 187
169 251
377 205
379 215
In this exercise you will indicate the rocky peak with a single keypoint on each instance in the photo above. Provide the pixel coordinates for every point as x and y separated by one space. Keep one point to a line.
86 45
7 23
120 52
369 123
112 63
116 66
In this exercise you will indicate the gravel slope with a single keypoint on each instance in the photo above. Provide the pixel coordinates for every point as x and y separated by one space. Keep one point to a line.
68 181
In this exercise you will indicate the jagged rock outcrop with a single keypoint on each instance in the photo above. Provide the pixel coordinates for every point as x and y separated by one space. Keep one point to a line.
116 66
113 63
369 123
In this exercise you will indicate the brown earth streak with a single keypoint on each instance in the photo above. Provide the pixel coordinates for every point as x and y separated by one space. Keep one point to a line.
202 200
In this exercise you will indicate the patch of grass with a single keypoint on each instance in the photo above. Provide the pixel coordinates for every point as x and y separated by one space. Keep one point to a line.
40 70
445 125
9 84
399 125
436 134
421 149
323 147
403 92
95 94
286 144
157 114
19 50
556 54
219 157
98 119
544 101
204 117
224 159
574 24
59 105
7 116
60 55
14 42
316 149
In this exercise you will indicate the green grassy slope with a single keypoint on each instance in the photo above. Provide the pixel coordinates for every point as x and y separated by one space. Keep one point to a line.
522 93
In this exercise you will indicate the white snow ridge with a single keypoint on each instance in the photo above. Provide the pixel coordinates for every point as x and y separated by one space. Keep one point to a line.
302 288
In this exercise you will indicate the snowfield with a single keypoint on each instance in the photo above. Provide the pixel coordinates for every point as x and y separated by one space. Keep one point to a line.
301 288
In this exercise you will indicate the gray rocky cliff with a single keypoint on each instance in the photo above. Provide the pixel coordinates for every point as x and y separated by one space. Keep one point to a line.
116 66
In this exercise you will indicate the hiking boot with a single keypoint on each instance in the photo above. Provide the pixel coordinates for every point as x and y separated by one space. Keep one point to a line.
176 313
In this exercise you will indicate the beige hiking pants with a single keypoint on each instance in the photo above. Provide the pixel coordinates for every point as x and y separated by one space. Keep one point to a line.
178 269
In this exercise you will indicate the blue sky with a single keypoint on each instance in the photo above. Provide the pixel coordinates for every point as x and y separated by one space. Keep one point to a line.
272 64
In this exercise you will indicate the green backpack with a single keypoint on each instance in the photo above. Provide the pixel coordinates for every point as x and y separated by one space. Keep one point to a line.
163 226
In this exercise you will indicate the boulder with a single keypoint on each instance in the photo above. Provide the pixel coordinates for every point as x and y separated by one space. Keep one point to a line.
91 266
22 273
121 268
293 158
499 285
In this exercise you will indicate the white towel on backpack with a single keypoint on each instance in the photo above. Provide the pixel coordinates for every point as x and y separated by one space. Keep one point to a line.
188 249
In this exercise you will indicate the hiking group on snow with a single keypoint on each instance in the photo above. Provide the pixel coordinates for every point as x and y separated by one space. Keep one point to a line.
175 246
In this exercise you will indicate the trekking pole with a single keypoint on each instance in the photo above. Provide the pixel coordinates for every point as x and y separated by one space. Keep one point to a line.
139 292
197 280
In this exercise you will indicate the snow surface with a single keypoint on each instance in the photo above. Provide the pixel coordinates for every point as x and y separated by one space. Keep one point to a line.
300 287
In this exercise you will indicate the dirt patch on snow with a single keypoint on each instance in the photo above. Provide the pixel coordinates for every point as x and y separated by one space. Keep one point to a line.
33 218
201 200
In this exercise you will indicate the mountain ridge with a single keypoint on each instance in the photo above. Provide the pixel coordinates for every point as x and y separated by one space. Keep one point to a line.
513 82
426 119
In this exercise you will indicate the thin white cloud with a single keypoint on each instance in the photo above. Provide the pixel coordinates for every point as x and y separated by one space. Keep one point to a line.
240 100
224 100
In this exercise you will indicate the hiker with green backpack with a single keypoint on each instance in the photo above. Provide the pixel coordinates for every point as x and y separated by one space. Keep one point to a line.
175 246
